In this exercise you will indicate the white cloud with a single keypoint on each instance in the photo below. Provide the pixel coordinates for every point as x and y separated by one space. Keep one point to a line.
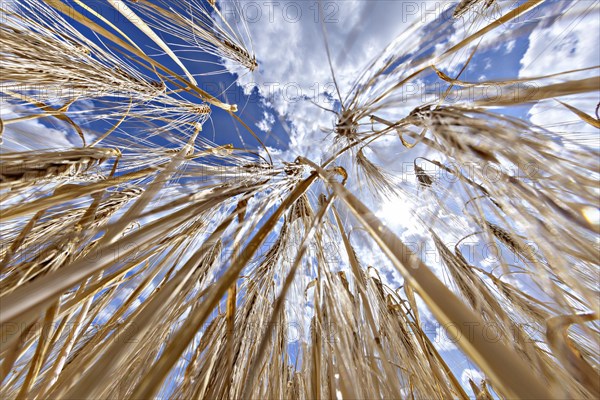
567 42
267 122
472 374
510 46
293 70
467 25
561 44
442 340
30 134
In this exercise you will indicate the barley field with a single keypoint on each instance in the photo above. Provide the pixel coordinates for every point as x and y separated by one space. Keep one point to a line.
229 199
